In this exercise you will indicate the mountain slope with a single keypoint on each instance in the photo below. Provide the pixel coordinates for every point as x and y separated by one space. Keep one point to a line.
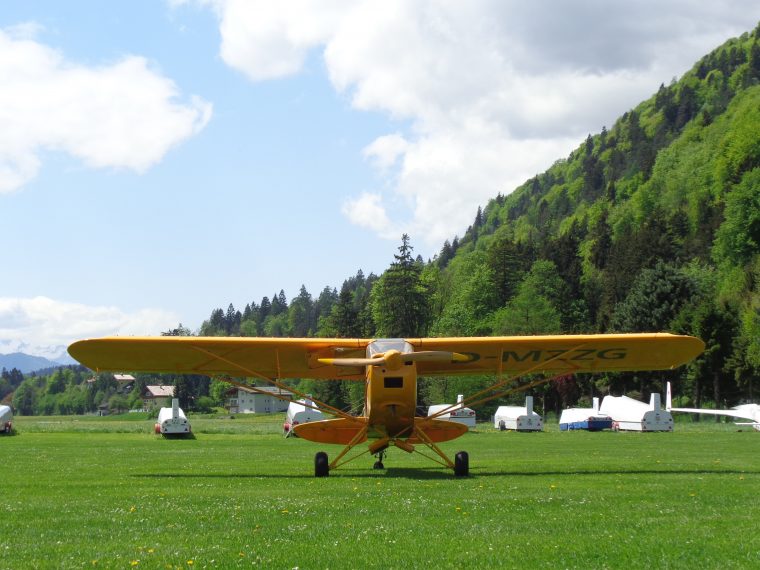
26 363
652 225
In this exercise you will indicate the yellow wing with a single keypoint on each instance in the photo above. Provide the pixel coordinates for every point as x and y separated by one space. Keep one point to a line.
310 357
562 353
270 357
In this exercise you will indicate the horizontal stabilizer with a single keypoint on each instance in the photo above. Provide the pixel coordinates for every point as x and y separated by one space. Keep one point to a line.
437 430
340 430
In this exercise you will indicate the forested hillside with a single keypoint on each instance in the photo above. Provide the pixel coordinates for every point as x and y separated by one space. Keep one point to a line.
652 224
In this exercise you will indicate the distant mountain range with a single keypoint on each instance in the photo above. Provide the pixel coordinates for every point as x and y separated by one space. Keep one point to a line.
27 363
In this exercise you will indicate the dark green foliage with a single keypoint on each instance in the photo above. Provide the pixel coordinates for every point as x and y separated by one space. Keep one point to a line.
399 298
738 239
655 299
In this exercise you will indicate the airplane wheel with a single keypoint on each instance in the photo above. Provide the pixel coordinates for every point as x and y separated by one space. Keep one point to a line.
461 464
378 465
321 466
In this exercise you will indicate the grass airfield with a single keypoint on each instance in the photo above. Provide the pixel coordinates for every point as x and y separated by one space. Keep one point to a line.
89 492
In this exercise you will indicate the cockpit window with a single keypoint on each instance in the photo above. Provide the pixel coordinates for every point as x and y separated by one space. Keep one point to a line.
385 344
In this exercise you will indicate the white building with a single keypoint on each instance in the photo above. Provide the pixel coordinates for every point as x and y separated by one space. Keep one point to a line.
590 419
6 419
243 401
457 413
157 397
518 418
631 415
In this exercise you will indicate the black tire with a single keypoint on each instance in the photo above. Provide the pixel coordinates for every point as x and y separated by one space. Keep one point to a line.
461 464
378 465
321 465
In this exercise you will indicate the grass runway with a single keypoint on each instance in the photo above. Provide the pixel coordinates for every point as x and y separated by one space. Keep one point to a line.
107 493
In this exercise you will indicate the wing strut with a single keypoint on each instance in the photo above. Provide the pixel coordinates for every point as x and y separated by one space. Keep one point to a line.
476 399
355 441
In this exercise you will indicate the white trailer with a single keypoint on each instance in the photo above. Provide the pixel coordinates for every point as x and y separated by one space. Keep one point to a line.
631 415
456 413
590 419
172 421
6 419
518 418
300 412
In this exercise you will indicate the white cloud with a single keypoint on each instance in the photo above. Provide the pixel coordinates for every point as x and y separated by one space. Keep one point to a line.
123 115
494 90
384 151
268 40
368 211
45 327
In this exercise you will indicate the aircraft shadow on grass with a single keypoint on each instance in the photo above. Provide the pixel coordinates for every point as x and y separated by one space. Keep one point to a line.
438 473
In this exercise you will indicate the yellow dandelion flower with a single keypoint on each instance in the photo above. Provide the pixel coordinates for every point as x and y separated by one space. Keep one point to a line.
189 562
132 509
134 563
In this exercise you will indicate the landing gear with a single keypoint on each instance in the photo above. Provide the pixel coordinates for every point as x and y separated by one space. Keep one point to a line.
379 463
321 465
461 464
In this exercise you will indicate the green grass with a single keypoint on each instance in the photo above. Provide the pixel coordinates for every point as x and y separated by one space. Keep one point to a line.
86 492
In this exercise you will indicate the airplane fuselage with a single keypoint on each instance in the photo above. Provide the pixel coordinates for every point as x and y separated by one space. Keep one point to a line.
391 397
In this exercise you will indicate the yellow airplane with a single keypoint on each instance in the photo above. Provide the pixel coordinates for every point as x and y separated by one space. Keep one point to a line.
389 368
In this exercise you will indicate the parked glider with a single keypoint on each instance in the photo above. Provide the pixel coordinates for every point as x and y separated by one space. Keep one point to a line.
389 368
172 421
6 419
744 412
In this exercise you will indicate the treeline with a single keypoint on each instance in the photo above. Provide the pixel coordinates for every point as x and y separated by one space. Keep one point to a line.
64 391
9 381
77 390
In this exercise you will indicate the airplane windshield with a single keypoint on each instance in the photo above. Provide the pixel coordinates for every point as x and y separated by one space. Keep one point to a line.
385 344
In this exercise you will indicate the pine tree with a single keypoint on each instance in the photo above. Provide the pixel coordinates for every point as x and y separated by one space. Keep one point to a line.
399 300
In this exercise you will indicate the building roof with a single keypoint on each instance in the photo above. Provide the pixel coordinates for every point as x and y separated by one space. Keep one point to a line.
159 391
259 389
124 377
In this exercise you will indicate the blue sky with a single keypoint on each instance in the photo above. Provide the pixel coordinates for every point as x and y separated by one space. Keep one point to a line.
160 159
